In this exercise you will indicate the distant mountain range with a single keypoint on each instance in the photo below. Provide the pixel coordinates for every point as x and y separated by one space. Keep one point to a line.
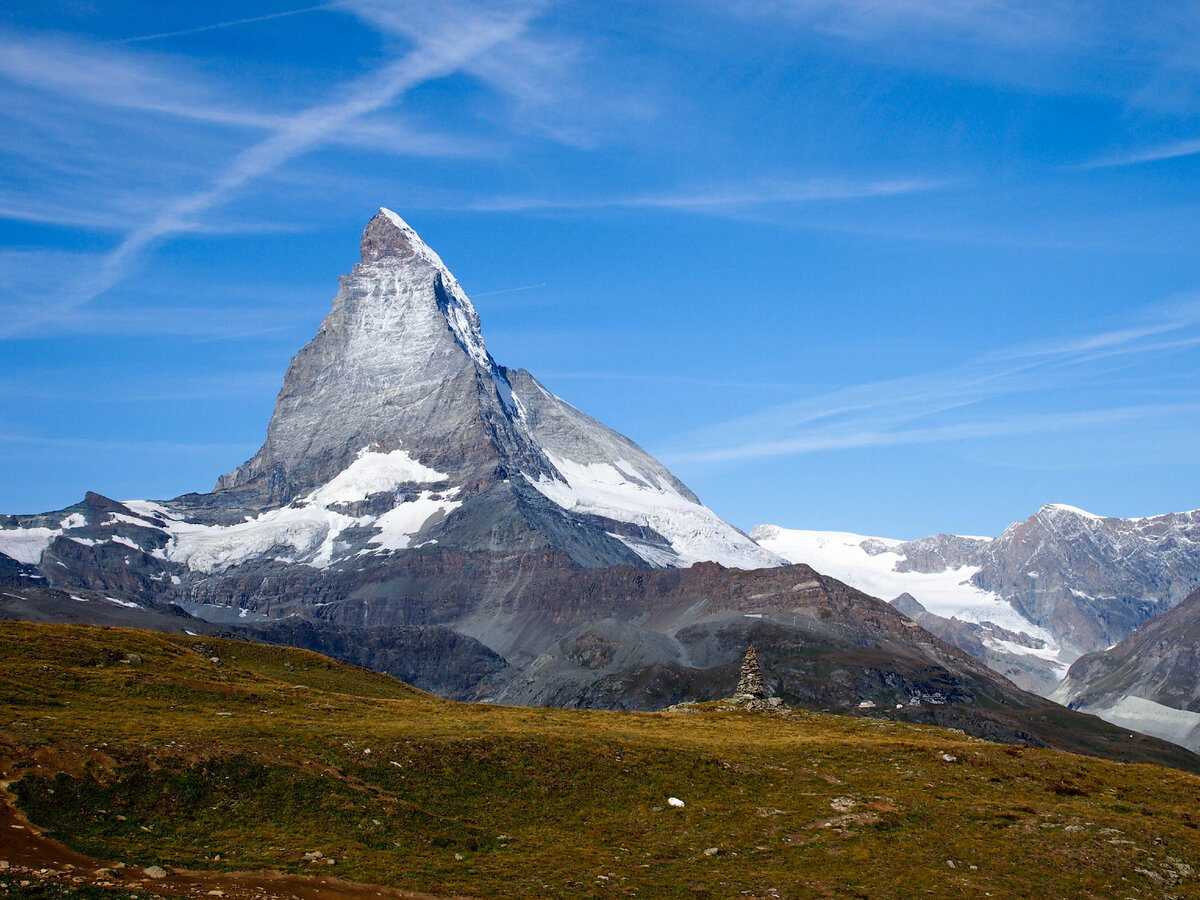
422 510
1062 583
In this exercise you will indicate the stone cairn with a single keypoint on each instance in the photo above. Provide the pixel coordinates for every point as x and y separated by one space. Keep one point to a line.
750 682
751 694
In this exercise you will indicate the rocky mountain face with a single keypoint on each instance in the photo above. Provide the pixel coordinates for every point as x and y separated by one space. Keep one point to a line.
1028 603
420 509
1148 681
1091 580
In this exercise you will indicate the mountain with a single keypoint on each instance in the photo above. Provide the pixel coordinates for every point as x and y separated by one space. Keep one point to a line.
422 510
395 429
1149 682
1062 583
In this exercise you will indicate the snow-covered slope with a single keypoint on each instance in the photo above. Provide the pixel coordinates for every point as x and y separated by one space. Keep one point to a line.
596 472
881 567
313 530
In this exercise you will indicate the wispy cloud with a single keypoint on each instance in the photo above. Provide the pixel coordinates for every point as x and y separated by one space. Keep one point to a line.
727 199
537 76
962 403
987 20
114 77
445 48
1143 53
1150 154
168 447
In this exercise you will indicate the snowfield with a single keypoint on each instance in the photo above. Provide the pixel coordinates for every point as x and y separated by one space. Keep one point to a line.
869 564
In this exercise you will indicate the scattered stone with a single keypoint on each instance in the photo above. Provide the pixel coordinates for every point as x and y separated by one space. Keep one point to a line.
675 802
156 872
711 851
842 804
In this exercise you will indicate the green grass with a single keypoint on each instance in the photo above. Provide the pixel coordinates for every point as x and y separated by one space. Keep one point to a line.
262 757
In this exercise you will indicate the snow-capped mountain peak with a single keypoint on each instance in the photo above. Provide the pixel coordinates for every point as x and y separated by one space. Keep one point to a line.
396 429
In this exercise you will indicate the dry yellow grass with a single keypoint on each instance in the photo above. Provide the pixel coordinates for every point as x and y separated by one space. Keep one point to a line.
156 754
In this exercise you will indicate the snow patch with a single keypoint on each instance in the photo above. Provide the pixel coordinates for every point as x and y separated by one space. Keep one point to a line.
397 526
1075 510
613 490
26 545
74 520
150 509
308 529
121 518
373 473
1180 726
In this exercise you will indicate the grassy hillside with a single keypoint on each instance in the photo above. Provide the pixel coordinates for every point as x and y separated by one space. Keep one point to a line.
140 747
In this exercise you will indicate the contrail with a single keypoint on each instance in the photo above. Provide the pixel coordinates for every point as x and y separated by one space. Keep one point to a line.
197 30
528 287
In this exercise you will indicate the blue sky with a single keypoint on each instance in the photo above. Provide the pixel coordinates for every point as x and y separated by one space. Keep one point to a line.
890 266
